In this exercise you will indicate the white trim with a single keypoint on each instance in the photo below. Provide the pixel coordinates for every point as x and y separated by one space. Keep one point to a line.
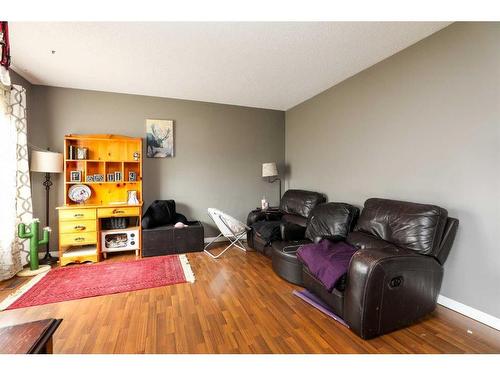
470 312
186 267
13 297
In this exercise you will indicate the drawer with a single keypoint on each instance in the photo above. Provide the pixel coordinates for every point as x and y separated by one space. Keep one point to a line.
77 214
78 259
78 238
78 226
118 211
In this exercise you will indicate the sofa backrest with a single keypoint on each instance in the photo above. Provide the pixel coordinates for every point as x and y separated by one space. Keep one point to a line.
412 226
300 202
331 220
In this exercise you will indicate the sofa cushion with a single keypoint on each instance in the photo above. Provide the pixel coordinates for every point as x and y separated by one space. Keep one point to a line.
363 240
294 219
411 226
331 220
300 202
328 261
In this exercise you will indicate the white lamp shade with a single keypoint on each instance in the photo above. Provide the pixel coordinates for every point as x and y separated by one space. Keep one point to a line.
269 170
46 161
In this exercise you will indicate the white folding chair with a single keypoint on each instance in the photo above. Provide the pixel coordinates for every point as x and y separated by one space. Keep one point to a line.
230 228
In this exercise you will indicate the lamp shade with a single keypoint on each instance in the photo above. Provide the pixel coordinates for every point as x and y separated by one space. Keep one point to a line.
46 161
269 170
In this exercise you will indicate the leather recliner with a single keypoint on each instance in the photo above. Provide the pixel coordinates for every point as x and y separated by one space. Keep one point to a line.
295 207
395 277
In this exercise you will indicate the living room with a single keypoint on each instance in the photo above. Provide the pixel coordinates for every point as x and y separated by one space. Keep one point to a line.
250 187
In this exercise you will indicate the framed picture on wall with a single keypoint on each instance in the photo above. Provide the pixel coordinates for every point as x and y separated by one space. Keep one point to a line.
159 138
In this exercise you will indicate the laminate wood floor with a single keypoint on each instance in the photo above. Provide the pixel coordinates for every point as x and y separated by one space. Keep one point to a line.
236 305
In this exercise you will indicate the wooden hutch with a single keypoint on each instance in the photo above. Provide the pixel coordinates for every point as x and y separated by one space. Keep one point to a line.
111 166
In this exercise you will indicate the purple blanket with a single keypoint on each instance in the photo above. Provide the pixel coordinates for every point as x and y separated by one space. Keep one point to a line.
327 260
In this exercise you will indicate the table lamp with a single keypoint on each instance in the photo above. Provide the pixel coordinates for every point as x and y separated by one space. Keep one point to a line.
47 162
270 171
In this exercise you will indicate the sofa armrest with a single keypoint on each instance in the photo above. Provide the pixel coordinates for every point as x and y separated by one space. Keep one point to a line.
389 288
259 215
291 232
450 231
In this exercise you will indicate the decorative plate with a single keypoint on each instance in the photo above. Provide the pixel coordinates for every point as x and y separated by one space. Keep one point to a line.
79 193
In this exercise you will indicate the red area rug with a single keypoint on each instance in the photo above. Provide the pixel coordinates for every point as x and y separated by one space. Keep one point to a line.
83 281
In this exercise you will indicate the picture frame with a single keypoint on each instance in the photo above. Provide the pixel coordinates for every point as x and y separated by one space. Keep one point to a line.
118 176
98 178
159 138
132 176
81 153
90 178
110 177
75 176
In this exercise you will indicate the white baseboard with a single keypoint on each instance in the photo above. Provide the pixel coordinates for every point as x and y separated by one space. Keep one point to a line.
470 312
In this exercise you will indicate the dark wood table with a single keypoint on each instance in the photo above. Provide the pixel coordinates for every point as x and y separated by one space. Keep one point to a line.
28 338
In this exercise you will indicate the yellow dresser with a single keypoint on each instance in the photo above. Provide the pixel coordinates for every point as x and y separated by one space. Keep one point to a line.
79 230
78 227
111 167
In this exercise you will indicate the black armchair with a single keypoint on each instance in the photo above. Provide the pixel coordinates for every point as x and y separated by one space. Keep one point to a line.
290 219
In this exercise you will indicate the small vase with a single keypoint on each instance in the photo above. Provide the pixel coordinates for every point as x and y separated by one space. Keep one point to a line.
132 197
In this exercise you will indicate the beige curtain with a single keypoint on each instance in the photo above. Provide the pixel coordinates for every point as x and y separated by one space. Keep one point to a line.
15 188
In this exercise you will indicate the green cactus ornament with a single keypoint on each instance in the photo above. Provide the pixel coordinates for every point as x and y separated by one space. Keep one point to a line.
32 232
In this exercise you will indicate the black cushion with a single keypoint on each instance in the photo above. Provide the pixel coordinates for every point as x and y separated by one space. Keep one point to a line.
331 220
412 226
161 212
300 202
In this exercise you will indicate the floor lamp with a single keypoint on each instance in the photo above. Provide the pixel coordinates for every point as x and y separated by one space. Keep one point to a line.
270 171
47 162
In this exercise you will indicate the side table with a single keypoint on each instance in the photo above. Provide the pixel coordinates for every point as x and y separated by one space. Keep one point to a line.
29 338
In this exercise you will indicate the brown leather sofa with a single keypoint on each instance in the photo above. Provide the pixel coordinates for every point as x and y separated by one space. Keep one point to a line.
295 207
395 277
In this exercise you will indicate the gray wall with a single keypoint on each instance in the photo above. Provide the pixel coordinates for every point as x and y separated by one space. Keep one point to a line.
424 126
218 148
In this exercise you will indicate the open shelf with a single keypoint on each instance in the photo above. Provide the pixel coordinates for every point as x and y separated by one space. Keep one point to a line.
102 161
111 159
103 182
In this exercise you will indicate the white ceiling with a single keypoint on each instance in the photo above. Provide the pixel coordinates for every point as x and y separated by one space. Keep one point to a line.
269 65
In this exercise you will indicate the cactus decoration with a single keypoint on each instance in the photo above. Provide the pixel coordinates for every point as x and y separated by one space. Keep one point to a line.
32 233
